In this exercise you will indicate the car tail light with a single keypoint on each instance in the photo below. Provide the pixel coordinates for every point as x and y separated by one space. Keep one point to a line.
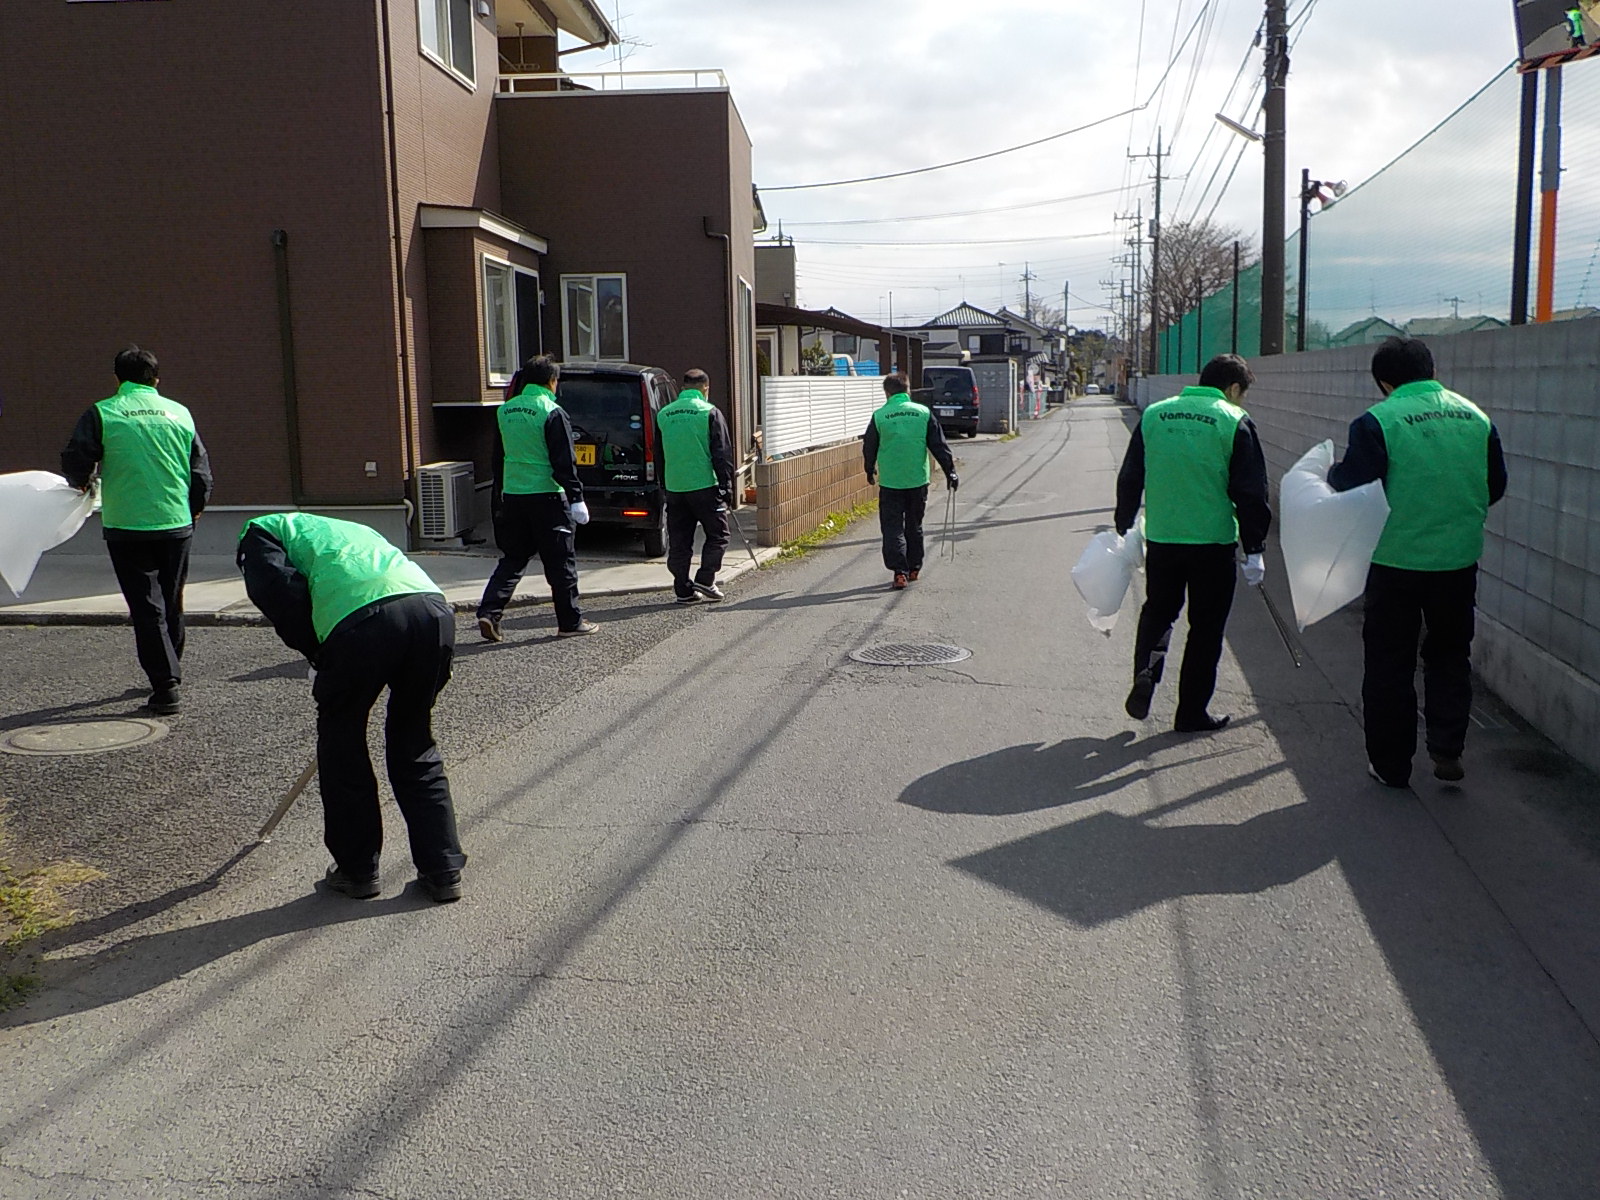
636 512
974 395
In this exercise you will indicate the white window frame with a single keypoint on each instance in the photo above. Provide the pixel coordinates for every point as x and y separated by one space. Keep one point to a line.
569 352
440 56
511 324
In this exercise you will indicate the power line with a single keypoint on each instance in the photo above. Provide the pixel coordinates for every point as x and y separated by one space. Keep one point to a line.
1057 237
971 212
961 162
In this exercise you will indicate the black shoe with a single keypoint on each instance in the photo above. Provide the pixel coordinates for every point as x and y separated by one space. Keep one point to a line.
489 627
1137 705
165 701
1206 724
441 888
1447 767
1387 782
364 888
709 590
691 598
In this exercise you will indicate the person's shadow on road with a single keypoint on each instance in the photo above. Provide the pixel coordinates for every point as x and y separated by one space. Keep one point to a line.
1035 776
129 968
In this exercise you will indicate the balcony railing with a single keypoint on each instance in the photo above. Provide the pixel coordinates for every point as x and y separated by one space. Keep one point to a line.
708 79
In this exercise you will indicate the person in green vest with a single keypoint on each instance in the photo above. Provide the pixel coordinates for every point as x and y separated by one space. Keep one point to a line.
537 501
366 618
895 449
695 456
1442 466
155 480
1196 462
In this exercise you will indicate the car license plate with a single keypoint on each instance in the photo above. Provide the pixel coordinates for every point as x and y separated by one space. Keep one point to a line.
584 454
947 412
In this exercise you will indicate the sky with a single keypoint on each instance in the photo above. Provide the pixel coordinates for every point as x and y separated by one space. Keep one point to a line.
837 89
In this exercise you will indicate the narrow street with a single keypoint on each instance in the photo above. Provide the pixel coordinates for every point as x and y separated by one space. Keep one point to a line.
747 918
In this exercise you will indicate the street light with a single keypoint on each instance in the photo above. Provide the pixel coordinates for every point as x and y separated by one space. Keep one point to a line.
1243 131
1325 194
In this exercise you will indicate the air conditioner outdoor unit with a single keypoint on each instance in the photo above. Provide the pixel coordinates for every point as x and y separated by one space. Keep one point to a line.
444 499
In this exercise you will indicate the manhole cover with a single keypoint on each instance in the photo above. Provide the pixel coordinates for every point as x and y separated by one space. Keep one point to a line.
910 654
83 737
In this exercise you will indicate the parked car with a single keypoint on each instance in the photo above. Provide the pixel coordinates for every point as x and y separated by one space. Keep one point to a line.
952 394
613 410
1092 390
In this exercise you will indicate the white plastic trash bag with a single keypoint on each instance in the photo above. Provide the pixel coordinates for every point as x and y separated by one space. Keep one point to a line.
1328 537
1104 571
38 510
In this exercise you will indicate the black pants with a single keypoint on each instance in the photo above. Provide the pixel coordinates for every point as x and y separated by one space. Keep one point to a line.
405 644
686 511
1207 575
900 512
151 573
1399 604
529 525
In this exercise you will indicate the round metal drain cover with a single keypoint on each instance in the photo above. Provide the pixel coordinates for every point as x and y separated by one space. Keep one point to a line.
910 654
83 737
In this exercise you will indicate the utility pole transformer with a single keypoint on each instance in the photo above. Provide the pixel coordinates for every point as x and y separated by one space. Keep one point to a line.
1274 142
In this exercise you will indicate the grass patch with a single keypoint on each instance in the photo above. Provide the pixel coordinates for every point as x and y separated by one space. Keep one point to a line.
831 528
32 902
1012 436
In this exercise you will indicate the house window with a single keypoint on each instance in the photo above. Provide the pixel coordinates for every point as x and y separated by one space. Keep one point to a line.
510 318
595 316
445 28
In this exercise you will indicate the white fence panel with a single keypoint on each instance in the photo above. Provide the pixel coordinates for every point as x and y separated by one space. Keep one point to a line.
802 412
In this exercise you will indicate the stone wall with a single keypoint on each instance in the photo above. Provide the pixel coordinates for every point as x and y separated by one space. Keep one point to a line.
794 495
1538 641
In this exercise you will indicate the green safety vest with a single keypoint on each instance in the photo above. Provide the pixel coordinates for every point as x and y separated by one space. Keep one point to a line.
144 476
347 566
685 426
1188 451
522 419
902 442
1437 484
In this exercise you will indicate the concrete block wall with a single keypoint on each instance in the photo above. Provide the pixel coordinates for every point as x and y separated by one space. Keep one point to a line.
1538 642
794 495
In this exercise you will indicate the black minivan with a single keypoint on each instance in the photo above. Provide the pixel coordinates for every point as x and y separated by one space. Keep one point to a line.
952 394
613 409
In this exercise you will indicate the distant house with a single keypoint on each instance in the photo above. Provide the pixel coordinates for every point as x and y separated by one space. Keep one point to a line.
1373 329
1443 326
1582 313
968 329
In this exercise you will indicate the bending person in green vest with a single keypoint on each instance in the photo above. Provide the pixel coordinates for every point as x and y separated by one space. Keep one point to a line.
1442 467
537 501
155 480
1196 461
695 455
895 450
367 618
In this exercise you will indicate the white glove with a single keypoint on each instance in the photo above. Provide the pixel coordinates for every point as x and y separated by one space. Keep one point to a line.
311 678
1255 569
580 513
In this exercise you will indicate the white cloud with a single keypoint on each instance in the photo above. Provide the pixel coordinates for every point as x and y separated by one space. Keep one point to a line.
833 89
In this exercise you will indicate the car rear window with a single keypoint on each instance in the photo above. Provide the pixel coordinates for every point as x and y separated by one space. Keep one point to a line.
608 411
949 384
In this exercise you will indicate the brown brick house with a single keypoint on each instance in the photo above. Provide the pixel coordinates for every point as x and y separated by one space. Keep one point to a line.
341 225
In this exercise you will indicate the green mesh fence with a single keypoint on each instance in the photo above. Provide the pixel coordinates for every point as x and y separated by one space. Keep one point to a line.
1425 246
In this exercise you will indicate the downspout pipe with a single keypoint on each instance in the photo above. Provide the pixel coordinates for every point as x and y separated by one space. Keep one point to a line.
408 454
291 388
731 328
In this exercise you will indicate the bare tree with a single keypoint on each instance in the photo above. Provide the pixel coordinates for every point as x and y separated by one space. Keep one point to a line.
1197 260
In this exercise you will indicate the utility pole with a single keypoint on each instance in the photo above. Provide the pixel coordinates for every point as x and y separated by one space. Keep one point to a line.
1027 291
1274 142
1155 258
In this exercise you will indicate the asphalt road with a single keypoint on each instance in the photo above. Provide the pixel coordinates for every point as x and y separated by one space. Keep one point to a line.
746 918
